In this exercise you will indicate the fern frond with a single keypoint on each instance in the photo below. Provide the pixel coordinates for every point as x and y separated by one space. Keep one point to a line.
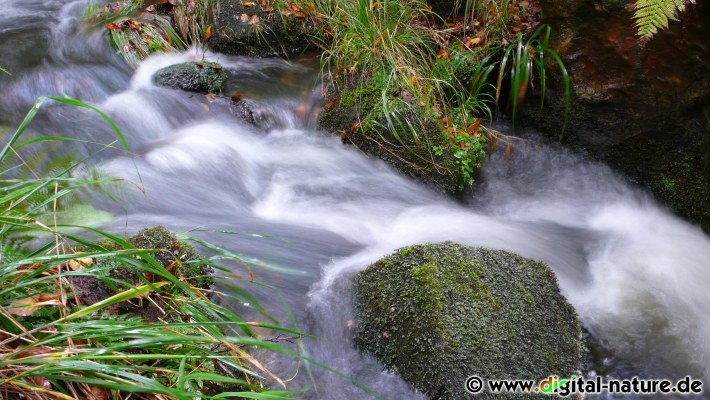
652 15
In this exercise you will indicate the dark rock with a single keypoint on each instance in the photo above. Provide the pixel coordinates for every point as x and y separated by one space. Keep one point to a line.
447 8
438 313
242 109
201 77
643 108
250 31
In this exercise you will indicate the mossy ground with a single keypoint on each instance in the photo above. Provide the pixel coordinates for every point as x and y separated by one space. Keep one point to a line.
260 33
439 313
404 136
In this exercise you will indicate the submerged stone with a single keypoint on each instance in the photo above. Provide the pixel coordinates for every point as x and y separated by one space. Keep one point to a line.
439 313
201 77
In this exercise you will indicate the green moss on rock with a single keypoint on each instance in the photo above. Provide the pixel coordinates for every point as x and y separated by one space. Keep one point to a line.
438 313
176 256
403 136
202 77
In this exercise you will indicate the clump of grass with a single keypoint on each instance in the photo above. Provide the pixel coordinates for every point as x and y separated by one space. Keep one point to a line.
368 36
194 20
137 29
56 345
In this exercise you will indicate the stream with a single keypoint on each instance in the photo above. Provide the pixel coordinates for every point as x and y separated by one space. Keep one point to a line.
310 213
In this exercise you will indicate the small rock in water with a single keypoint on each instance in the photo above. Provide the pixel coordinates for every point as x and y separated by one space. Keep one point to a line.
201 77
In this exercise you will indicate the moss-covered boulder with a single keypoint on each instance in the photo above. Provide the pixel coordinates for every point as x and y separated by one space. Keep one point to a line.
259 30
201 77
177 257
439 313
402 134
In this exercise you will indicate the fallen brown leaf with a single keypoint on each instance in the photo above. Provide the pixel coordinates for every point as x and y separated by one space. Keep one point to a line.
330 104
29 305
96 393
473 41
80 263
113 27
444 53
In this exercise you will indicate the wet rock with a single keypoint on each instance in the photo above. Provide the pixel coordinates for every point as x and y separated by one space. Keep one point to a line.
243 110
643 108
257 31
438 313
201 77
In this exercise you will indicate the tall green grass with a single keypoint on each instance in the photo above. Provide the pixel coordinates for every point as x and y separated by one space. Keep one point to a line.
368 35
400 40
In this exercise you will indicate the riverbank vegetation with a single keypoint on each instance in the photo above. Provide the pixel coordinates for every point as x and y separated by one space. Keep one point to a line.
416 83
427 79
418 78
85 314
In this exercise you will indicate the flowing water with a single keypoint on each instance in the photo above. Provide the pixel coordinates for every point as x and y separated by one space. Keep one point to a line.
310 212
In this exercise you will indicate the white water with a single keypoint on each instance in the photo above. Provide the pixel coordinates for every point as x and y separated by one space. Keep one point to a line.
637 275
